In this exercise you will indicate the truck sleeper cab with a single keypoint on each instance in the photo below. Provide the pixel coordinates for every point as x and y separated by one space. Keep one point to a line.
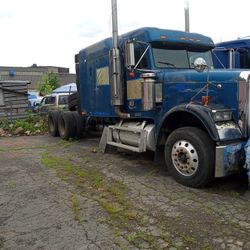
158 91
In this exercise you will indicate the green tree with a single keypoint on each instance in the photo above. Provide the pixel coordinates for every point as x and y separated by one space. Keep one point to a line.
49 82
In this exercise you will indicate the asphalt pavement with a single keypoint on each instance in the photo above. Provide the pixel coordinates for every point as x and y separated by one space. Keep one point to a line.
57 194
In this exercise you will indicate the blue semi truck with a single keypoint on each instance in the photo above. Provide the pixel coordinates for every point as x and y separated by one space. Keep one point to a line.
232 54
156 89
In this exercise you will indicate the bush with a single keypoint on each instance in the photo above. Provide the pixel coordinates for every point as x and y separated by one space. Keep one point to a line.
35 124
49 82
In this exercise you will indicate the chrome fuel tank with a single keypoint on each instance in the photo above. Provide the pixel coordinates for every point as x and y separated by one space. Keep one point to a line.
132 133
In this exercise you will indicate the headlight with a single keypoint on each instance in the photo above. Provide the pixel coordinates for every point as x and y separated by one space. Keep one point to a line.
222 115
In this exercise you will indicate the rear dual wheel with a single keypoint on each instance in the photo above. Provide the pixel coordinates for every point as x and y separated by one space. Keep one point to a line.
53 123
66 125
190 156
79 124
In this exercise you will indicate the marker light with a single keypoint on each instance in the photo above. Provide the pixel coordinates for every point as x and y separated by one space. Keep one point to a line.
131 74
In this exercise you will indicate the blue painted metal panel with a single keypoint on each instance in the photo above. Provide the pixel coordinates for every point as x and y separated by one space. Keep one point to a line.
222 52
95 100
149 35
239 43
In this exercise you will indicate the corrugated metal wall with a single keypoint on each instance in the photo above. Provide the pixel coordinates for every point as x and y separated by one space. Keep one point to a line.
13 100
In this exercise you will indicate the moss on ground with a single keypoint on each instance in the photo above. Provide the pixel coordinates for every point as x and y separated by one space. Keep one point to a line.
111 195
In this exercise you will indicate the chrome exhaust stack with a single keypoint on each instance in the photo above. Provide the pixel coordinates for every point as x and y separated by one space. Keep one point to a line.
117 96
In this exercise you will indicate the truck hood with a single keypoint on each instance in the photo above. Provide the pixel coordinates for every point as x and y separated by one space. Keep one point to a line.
191 76
185 86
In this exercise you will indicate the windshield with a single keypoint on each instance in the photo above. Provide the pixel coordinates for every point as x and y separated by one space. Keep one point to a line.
48 100
182 58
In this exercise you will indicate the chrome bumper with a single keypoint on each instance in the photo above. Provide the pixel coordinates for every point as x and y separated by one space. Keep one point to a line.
229 158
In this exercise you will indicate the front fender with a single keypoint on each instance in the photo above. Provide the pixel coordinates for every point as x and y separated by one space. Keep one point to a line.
203 117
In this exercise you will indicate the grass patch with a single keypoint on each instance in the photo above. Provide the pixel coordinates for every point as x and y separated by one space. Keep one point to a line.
140 237
191 241
97 181
76 208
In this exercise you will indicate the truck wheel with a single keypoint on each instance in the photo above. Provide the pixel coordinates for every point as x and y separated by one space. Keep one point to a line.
190 156
73 101
79 124
53 123
66 125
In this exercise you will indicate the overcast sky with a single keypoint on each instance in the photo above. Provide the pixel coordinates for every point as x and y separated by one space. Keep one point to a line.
51 32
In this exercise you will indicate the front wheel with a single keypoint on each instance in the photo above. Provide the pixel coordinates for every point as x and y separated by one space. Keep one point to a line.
190 156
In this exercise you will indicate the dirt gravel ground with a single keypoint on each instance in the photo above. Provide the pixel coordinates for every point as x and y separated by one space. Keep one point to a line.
58 194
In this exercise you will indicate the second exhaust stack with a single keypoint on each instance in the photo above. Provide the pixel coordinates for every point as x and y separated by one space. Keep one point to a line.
186 11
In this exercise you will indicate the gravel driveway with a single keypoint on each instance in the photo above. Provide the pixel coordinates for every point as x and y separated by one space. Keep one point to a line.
58 194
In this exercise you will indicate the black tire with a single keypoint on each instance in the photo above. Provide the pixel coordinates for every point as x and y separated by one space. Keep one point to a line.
73 101
79 121
66 125
53 123
190 156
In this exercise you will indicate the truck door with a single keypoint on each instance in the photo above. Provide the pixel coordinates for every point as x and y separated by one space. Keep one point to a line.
89 86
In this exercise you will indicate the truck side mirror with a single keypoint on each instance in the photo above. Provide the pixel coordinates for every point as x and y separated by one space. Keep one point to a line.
130 55
200 64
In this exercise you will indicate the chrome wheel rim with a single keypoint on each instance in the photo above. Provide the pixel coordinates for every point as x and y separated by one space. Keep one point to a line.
185 158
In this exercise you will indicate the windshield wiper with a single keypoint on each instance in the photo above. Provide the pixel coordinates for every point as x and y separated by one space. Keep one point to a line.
167 63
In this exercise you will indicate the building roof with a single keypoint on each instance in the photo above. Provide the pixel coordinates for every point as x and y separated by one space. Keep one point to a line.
35 68
34 74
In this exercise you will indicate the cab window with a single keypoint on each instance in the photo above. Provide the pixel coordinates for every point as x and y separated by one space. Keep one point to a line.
139 50
63 99
244 59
